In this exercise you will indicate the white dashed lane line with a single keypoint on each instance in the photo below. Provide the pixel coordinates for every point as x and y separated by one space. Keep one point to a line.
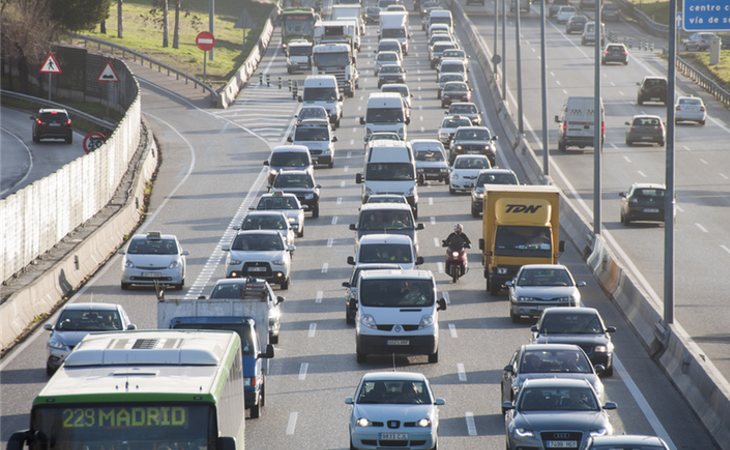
334 220
436 242
471 427
312 330
461 372
627 159
339 201
318 297
641 173
325 267
446 297
291 426
303 371
704 162
727 250
723 176
702 229
452 331
440 266
430 201
342 183
433 220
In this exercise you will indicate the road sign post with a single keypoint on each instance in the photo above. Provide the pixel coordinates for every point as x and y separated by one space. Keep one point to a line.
109 77
93 140
50 66
205 41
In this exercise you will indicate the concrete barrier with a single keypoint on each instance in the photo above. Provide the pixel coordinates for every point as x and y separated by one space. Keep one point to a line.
694 375
85 250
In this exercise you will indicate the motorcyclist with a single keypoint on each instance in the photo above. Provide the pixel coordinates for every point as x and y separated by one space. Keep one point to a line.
457 239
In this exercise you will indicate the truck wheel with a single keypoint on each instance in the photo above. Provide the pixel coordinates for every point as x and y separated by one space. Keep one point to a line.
274 338
514 318
125 286
561 146
301 233
315 212
434 358
349 317
474 212
256 410
494 287
609 371
337 123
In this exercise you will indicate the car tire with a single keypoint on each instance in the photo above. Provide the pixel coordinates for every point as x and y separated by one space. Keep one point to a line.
609 371
661 143
702 122
125 286
474 212
331 164
639 101
70 139
301 233
274 339
446 181
256 410
514 318
434 357
361 358
493 288
50 370
337 123
628 142
36 139
420 180
438 96
349 318
352 447
443 105
285 284
315 212
451 191
562 147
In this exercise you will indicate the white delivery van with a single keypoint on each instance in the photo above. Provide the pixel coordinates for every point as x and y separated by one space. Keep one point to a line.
576 123
337 31
394 25
386 248
340 12
298 56
322 90
440 16
385 111
397 313
389 169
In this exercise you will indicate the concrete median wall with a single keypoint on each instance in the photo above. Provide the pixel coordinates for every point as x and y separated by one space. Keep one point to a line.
699 381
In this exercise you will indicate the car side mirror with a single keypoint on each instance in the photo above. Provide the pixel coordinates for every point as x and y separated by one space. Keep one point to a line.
300 99
509 283
509 369
318 186
345 284
334 138
131 327
408 120
291 248
48 327
622 194
358 178
441 304
185 253
353 227
349 401
580 284
600 369
481 244
561 246
419 260
494 138
351 260
266 163
340 98
289 139
439 402
226 248
610 406
533 328
611 329
280 299
507 405
362 121
269 353
627 123
557 119
419 227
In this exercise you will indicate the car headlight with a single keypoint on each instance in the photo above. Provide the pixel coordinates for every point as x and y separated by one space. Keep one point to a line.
443 135
56 343
129 264
599 432
568 299
522 432
600 349
309 196
454 176
362 422
368 321
426 321
444 170
424 423
501 270
478 194
459 147
234 262
279 262
174 265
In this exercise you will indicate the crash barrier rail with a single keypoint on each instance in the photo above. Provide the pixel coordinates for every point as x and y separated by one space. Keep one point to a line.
694 375
39 216
73 112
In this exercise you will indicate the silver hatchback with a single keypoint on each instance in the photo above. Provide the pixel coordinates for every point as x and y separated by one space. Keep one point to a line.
153 258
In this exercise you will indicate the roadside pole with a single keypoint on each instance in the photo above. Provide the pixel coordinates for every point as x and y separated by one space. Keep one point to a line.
543 84
597 121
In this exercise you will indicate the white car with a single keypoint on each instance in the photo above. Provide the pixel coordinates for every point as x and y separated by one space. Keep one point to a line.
268 220
465 171
153 258
261 254
392 407
431 163
287 204
565 13
690 109
449 125
540 286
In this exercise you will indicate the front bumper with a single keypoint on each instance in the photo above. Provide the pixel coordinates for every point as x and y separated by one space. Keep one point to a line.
56 357
271 272
135 275
532 309
395 343
416 437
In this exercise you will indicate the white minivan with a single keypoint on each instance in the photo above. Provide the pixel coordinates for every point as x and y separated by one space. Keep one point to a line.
389 169
322 90
386 248
576 123
397 313
440 16
386 111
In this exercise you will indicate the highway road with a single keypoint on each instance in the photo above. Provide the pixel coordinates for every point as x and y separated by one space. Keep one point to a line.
22 161
702 243
212 172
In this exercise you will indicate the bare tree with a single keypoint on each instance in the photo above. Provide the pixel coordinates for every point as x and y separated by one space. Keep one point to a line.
176 27
120 19
165 27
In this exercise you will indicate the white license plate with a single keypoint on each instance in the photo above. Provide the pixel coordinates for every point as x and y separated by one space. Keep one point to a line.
54 124
393 436
651 210
398 342
149 274
257 269
561 444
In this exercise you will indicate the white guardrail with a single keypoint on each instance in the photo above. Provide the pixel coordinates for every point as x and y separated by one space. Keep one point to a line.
38 216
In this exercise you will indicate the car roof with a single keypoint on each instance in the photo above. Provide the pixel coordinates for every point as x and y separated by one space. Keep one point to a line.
52 110
385 205
294 172
277 194
313 123
410 376
549 346
265 212
270 232
544 266
391 64
91 307
496 170
474 127
389 41
648 186
453 83
290 148
379 238
385 266
470 156
424 141
646 116
395 86
463 104
556 382
571 310
146 235
398 274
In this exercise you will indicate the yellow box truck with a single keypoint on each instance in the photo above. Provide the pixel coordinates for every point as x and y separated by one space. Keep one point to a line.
520 226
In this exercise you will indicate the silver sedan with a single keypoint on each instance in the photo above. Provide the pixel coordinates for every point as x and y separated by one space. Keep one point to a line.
540 286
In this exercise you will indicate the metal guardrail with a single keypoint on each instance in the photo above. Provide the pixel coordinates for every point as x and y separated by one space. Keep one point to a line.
145 59
42 102
712 87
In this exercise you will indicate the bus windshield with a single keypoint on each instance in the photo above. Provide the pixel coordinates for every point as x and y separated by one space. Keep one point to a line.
136 426
300 25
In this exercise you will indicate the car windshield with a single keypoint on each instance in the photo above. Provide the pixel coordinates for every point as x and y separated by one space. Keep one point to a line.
455 86
144 246
323 94
473 135
257 242
312 113
443 47
389 172
570 323
567 9
558 399
689 101
300 50
655 83
544 277
451 77
386 220
455 123
386 199
289 180
391 69
463 109
389 47
446 68
264 222
386 253
429 156
290 159
394 392
319 134
384 115
454 54
387 57
497 178
85 320
471 163
53 117
555 361
278 203
340 59
397 292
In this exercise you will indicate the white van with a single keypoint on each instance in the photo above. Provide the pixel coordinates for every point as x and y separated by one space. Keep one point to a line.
576 123
322 90
441 16
386 248
394 25
389 169
397 313
344 12
385 111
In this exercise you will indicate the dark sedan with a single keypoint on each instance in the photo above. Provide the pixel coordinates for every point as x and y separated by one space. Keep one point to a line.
391 73
652 89
615 53
576 24
643 128
455 91
644 201
52 124
301 184
611 12
580 326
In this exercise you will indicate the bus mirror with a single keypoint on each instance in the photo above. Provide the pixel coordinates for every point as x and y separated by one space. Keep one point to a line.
561 246
269 353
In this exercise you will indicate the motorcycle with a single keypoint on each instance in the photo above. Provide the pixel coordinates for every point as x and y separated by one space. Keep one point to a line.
456 260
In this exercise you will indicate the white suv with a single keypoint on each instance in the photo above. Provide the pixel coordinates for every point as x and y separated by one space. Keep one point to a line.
260 254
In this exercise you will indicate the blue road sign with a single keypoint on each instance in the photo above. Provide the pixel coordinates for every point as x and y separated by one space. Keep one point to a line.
706 15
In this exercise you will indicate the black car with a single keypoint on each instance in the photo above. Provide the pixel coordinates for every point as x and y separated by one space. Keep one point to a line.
300 183
489 176
52 124
644 201
615 53
372 15
652 89
579 326
575 24
610 12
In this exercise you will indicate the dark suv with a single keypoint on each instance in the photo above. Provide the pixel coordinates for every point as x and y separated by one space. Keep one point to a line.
300 183
53 124
652 89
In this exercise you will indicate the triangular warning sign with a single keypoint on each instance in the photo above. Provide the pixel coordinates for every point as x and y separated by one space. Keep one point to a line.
108 74
50 65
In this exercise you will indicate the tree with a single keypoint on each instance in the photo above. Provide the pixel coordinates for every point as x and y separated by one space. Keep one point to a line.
176 27
78 15
120 19
165 27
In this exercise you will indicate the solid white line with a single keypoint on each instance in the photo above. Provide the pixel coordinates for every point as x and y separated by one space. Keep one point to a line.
318 297
30 158
727 250
470 425
557 82
612 145
292 425
334 220
312 330
330 242
702 229
325 267
686 148
452 331
461 373
436 242
628 160
420 118
303 371
349 154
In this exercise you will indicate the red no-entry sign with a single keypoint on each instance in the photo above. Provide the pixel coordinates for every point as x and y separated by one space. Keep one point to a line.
205 41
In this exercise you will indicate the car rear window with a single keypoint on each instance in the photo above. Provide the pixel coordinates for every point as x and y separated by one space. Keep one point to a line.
646 122
649 193
57 117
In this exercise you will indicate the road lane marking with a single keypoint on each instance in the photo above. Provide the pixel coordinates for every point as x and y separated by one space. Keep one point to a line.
292 425
346 169
452 331
312 330
723 175
440 266
565 92
461 373
318 297
628 160
436 242
423 129
430 200
446 297
420 118
352 141
558 82
725 248
433 220
303 371
354 129
679 208
641 173
334 220
702 229
339 200
613 84
686 148
342 183
703 161
471 427
613 145
621 93
325 267
349 155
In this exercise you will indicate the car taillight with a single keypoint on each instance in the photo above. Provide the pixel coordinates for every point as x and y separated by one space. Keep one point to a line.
603 128
605 53
68 122
564 125
39 121
702 108
626 53
677 108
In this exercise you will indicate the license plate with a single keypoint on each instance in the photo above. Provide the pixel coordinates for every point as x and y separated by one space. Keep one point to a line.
647 138
651 210
257 269
53 124
561 444
398 342
149 274
393 436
